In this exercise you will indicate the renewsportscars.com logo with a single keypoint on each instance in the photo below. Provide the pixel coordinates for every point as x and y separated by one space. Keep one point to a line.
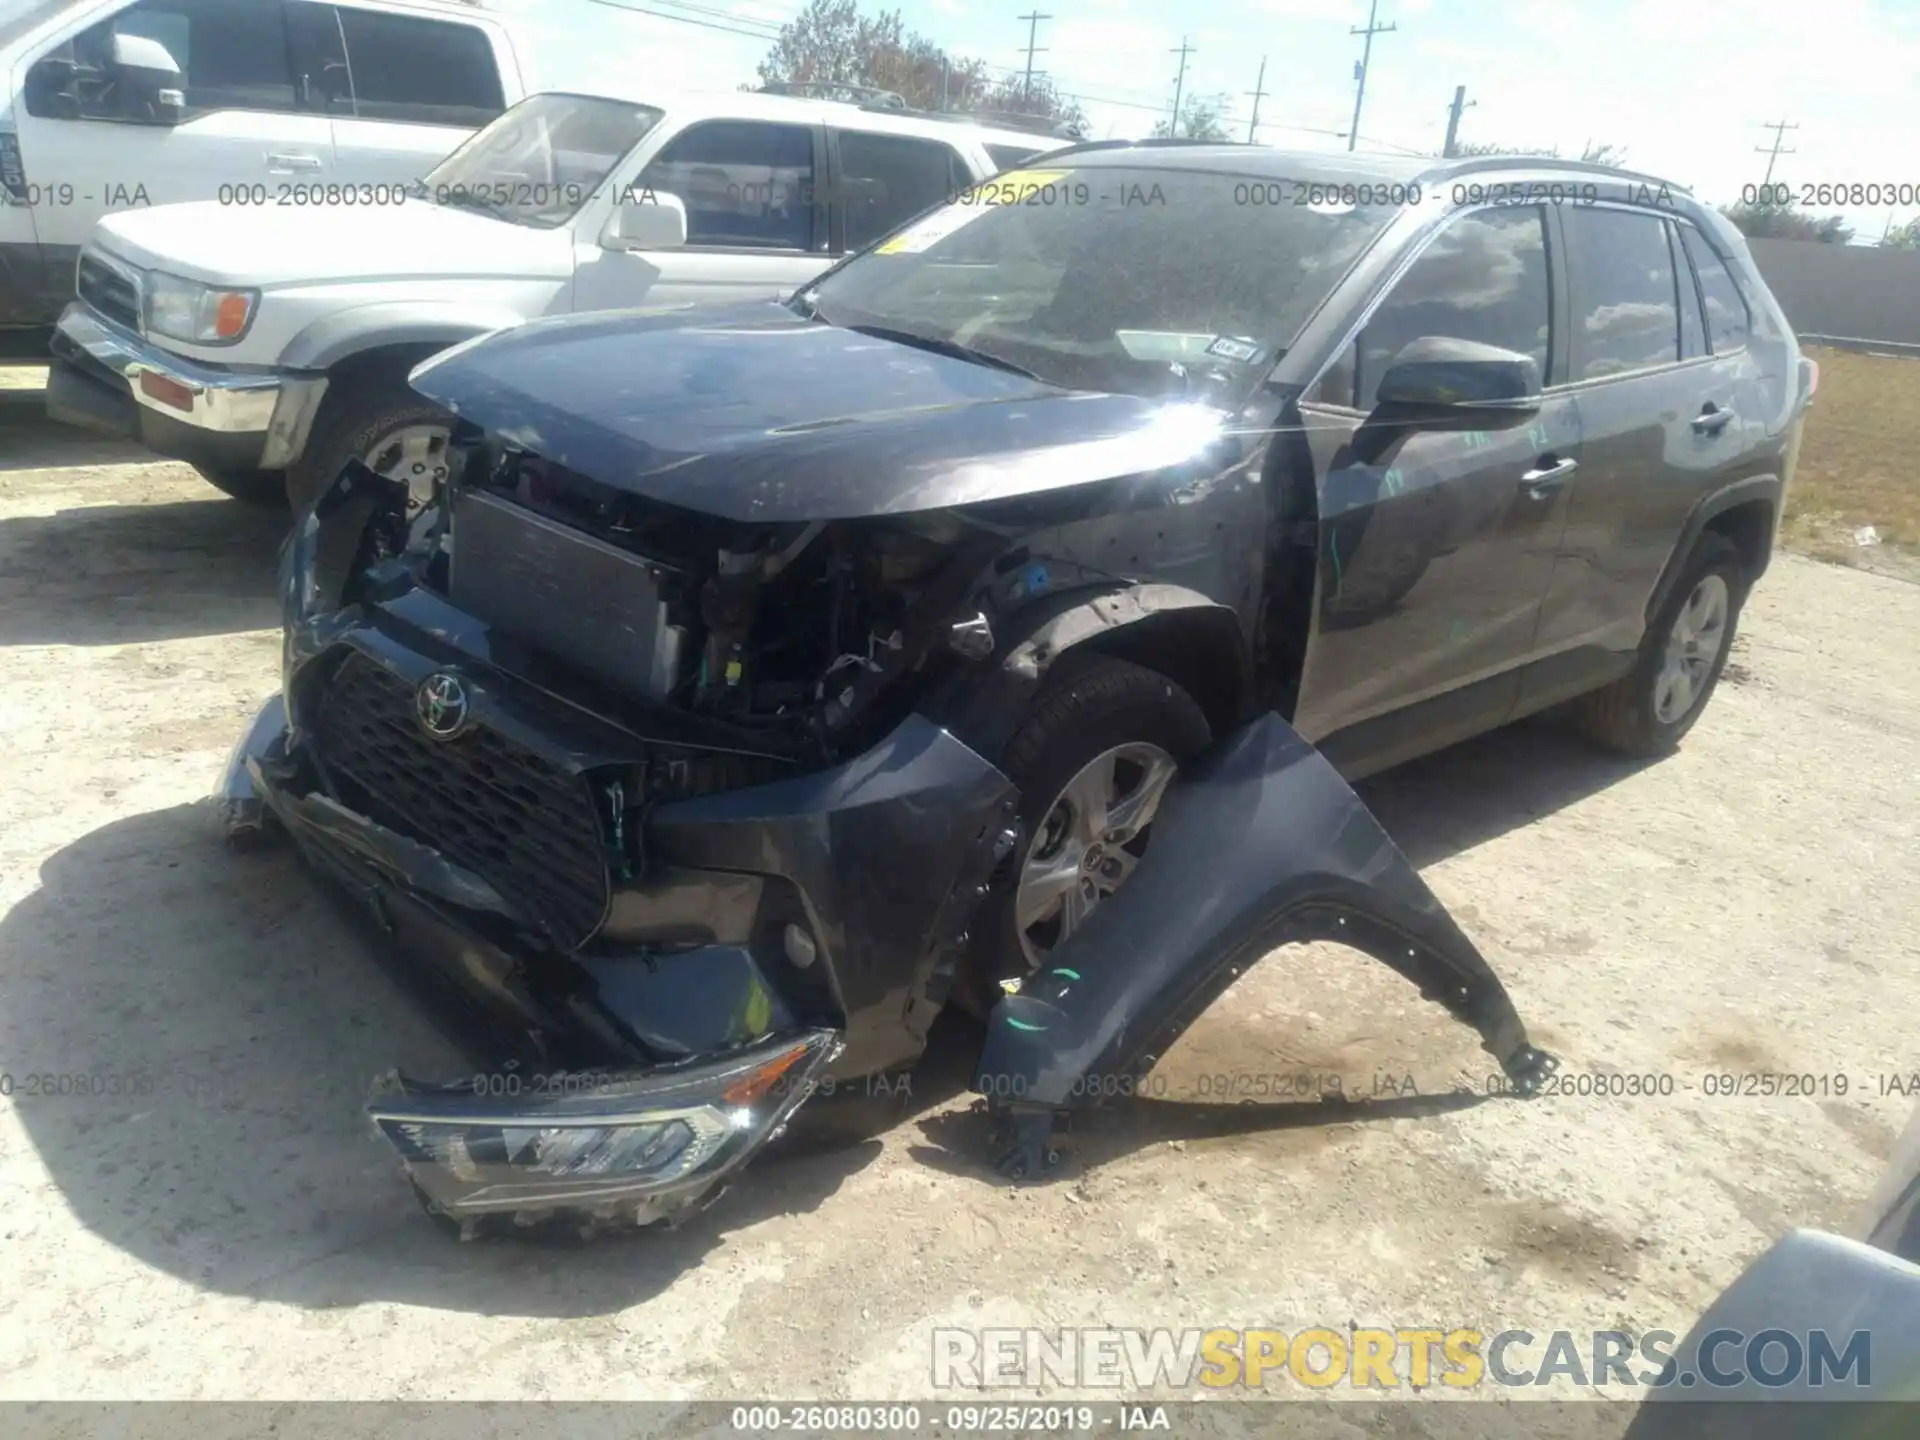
1378 1358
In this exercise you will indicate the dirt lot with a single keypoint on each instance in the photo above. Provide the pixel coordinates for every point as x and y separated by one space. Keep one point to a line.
1853 467
1748 905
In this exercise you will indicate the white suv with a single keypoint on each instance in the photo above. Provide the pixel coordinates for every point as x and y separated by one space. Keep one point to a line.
271 346
109 105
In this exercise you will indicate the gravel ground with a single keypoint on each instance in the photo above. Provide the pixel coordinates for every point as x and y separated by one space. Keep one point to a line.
1749 905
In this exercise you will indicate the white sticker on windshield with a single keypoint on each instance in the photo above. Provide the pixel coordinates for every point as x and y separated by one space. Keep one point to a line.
1231 347
1011 188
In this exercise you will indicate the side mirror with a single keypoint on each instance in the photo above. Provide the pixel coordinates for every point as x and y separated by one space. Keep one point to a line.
148 68
646 220
1440 381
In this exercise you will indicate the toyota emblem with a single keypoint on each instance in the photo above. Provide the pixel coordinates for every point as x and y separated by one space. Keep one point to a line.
442 705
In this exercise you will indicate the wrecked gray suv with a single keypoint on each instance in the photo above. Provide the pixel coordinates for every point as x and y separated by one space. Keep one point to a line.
992 625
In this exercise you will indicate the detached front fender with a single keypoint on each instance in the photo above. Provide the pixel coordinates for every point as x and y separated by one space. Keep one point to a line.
1261 844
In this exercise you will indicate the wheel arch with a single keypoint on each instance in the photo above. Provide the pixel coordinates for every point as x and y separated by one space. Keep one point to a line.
1747 512
1193 640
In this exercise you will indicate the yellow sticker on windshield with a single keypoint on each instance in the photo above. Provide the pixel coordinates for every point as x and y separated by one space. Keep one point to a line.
1014 187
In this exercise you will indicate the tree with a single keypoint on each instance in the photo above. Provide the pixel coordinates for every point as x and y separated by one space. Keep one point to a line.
1203 117
1783 222
1904 237
832 43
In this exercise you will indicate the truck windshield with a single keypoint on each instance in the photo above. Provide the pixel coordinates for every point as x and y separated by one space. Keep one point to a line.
540 161
1115 277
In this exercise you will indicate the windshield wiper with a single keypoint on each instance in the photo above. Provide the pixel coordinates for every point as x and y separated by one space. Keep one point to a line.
936 345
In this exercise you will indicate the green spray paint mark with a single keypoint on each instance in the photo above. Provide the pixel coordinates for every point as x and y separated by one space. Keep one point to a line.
1394 481
1023 1025
1333 544
1070 974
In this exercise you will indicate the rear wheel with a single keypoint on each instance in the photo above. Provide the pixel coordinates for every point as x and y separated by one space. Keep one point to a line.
1648 710
1092 760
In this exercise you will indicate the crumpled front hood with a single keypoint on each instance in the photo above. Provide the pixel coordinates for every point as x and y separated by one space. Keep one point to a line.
750 412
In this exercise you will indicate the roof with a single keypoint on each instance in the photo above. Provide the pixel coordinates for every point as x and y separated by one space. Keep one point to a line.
798 110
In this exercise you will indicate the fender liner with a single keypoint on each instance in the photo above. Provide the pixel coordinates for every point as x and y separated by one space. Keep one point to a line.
1741 492
987 704
1260 844
353 331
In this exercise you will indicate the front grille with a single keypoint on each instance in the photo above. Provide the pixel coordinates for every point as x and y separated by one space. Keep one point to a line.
108 291
527 827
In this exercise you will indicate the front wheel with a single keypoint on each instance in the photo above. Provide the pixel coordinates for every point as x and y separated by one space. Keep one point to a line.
1092 760
378 421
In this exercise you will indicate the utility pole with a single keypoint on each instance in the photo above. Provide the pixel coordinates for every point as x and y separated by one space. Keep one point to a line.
1779 129
1360 70
1033 29
1460 102
1259 90
1179 83
944 65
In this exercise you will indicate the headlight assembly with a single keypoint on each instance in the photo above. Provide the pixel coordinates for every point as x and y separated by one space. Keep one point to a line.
198 314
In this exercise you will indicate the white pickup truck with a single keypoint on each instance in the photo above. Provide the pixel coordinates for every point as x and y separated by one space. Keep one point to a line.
270 346
110 105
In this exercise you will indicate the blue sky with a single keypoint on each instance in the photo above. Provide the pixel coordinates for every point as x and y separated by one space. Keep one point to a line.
1686 89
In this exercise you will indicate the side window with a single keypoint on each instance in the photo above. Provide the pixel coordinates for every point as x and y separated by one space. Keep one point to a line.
433 72
1626 315
1728 322
319 58
1007 156
1483 278
1693 326
888 179
232 55
744 183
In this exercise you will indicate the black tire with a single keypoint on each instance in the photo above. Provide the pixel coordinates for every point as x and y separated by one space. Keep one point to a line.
355 414
1085 708
264 488
1621 716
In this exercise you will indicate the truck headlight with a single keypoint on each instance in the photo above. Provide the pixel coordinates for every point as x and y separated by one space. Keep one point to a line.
198 314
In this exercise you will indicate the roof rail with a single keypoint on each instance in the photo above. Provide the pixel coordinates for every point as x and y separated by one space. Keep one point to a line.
868 97
1548 162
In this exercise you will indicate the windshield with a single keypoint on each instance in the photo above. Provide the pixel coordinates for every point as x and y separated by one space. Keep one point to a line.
539 162
1134 279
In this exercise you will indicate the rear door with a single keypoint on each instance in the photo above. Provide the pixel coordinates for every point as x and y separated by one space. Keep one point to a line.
756 218
417 88
1435 555
244 129
1664 385
881 181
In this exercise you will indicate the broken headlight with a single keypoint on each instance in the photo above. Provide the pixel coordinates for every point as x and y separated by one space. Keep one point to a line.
510 1143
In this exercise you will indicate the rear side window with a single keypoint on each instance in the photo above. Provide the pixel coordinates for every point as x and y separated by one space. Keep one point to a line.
888 179
746 184
432 72
1728 322
1693 325
1626 306
1483 278
1005 157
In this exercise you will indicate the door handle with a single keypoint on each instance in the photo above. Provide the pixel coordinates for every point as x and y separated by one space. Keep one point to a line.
1548 476
294 162
1711 420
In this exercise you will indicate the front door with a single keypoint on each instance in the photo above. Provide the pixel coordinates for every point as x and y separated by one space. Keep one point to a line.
755 226
1435 554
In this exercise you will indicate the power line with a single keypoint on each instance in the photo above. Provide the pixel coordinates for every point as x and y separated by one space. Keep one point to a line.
1033 27
1179 83
1366 58
1258 91
690 20
1779 128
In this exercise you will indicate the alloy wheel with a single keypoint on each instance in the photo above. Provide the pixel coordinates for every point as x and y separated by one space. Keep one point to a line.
1693 644
1087 843
414 456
